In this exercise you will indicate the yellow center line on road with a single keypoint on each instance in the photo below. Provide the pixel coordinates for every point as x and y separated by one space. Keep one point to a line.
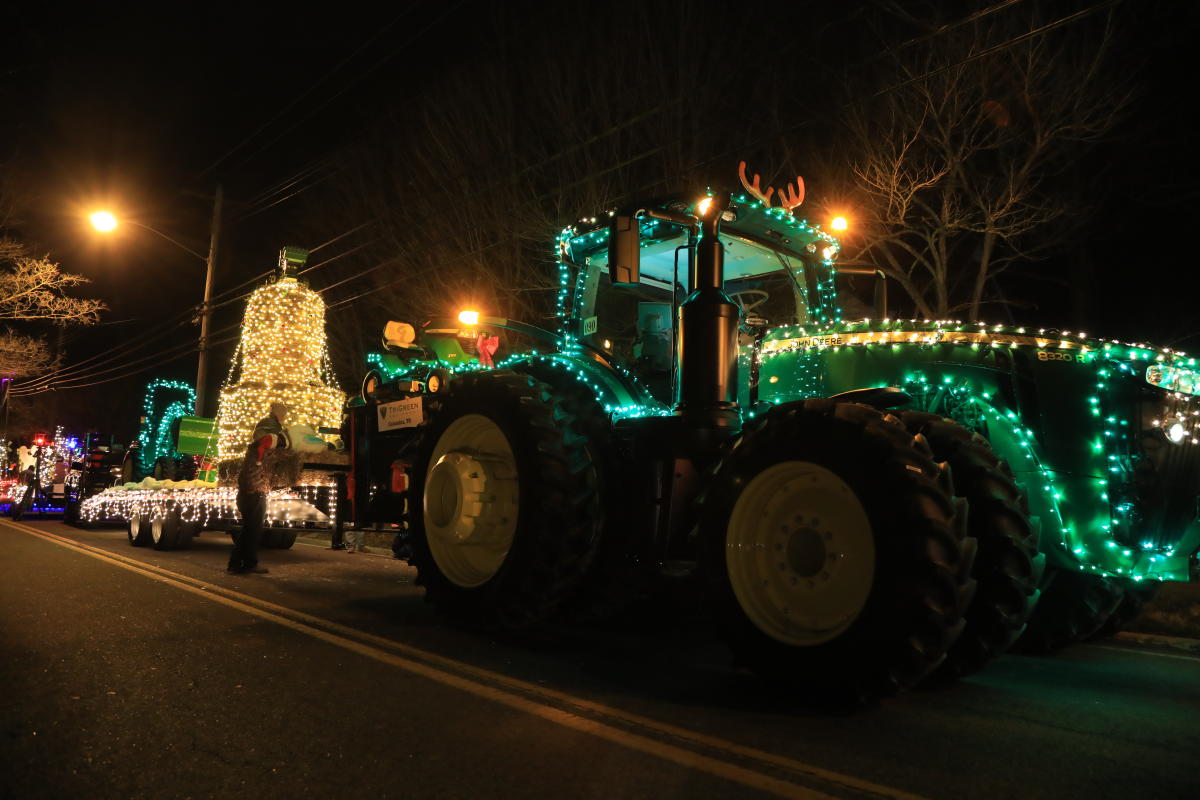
540 701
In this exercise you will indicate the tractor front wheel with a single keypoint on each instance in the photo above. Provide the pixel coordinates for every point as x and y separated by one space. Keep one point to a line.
832 553
509 516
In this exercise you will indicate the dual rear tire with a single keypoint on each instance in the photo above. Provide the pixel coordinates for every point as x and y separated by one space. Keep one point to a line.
833 557
1009 567
172 532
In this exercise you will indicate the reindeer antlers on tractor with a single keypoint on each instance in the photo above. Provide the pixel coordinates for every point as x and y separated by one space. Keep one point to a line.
793 198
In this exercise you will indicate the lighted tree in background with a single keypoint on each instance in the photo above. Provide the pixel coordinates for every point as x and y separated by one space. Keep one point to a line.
282 356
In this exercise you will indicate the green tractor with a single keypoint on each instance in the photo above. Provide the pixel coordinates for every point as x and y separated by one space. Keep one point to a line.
858 505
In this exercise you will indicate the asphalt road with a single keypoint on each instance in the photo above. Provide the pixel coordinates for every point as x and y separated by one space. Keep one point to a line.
135 673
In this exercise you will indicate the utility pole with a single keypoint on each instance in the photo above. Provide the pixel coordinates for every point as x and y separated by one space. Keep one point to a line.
205 311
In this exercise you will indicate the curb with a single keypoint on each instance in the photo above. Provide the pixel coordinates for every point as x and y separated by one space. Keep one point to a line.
380 545
1158 640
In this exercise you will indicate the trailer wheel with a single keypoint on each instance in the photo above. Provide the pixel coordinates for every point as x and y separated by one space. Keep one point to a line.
168 532
1008 565
509 515
278 540
835 561
139 531
1073 606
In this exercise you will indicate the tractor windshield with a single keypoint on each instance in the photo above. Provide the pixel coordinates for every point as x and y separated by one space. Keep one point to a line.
637 323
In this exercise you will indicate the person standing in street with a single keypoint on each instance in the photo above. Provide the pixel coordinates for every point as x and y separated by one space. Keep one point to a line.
253 486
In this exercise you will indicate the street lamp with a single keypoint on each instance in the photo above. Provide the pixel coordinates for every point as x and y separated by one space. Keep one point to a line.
106 222
103 221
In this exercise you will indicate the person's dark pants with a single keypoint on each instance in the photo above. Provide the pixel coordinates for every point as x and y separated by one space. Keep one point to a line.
253 508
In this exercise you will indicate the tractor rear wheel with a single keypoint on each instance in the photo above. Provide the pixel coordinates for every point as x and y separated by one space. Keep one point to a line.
1136 597
832 553
1008 565
509 516
1073 606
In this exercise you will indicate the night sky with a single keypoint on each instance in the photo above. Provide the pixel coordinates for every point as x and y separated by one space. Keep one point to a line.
147 114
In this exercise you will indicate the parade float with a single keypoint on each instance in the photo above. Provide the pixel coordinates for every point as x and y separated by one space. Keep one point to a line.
860 503
281 357
46 481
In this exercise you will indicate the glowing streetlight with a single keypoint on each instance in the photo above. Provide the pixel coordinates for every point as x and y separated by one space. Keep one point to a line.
839 224
103 221
106 222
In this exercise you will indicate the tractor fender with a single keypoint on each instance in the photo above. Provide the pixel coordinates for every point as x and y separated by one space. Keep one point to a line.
879 397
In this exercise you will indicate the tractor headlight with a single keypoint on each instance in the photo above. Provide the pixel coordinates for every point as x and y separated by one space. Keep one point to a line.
1173 379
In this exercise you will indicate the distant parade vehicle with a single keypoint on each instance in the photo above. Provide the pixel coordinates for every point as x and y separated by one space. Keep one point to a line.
179 476
859 504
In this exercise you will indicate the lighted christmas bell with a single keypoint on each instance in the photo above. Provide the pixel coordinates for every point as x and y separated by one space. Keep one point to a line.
282 356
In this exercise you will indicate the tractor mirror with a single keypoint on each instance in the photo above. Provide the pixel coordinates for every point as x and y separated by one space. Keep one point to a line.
624 250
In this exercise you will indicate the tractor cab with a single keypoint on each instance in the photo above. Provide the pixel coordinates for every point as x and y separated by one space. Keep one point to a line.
778 272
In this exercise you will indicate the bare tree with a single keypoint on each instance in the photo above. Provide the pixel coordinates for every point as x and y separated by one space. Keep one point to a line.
33 290
23 355
469 185
958 161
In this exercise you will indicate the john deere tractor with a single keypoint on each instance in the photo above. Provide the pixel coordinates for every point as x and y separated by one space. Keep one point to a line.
858 505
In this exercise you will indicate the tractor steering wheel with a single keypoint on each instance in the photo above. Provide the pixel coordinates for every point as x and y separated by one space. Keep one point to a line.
749 299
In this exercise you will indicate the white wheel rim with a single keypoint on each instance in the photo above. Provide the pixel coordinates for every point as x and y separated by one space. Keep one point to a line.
800 553
471 500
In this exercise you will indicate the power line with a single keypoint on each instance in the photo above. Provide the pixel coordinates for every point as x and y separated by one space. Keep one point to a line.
946 28
315 182
149 336
180 349
145 337
1042 29
195 347
307 92
355 229
68 372
261 275
400 48
307 170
